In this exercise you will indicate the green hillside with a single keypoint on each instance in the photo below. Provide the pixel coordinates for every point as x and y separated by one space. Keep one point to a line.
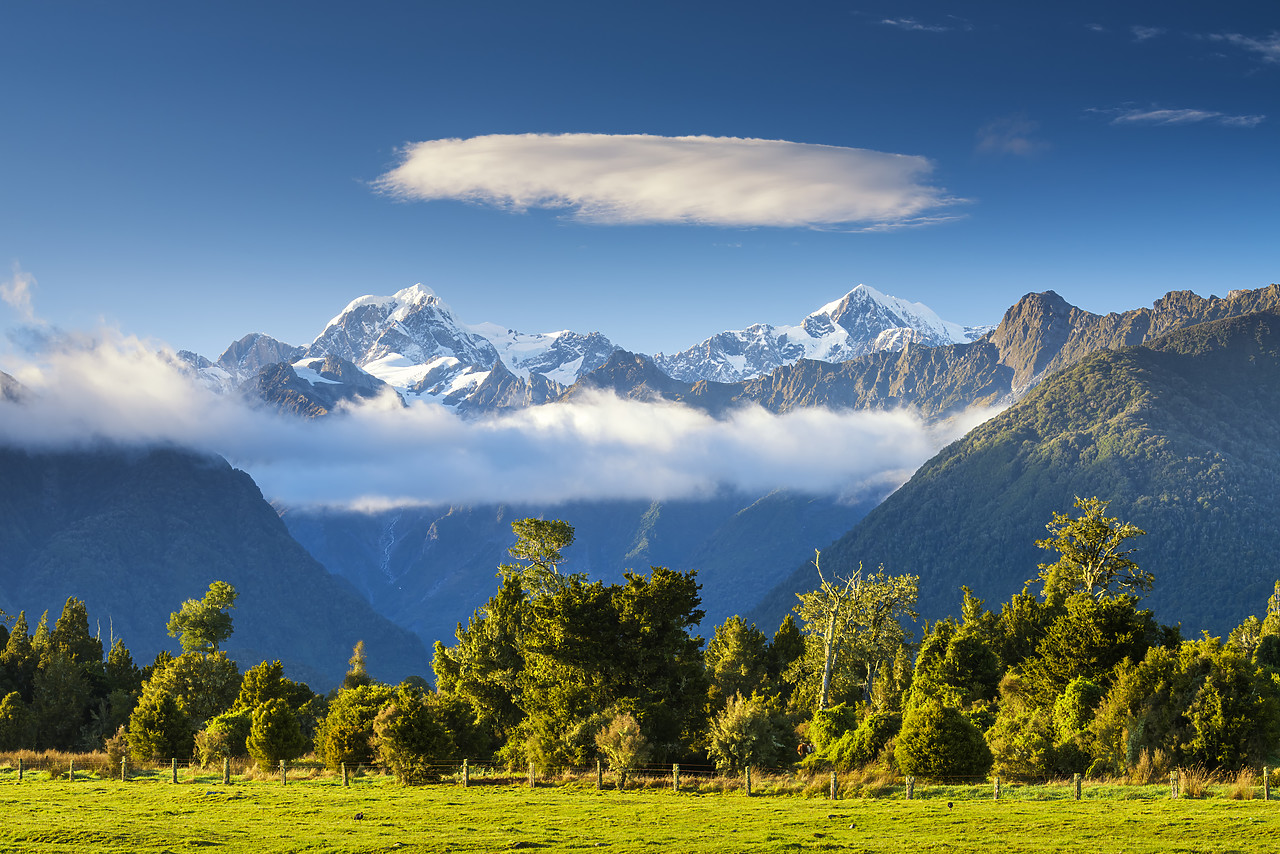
1181 435
135 533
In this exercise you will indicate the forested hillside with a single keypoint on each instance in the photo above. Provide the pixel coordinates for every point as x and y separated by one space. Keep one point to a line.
134 533
1181 435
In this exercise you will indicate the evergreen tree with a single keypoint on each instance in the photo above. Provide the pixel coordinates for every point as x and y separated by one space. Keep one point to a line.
71 637
411 736
19 659
17 724
159 729
346 733
274 735
737 661
202 624
61 701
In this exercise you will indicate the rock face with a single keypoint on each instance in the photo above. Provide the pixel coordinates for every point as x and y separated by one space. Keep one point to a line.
314 387
246 357
863 321
134 533
1179 434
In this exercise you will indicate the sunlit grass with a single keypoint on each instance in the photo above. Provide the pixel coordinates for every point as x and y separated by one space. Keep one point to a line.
375 814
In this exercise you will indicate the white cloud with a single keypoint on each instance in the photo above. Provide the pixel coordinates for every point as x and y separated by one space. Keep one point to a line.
1011 135
1267 47
16 293
1180 117
1142 34
108 388
913 25
692 180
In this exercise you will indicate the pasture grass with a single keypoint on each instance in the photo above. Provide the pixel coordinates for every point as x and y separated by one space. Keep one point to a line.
150 814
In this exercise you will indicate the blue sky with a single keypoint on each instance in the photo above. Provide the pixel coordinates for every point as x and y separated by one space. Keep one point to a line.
194 172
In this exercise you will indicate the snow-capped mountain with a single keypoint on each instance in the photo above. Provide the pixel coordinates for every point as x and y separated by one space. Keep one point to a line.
412 341
863 321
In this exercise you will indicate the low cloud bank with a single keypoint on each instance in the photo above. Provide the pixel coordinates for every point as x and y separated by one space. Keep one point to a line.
111 389
692 180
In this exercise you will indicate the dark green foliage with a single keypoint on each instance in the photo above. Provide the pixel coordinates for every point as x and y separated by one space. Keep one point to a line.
19 659
70 635
1088 639
411 736
159 729
17 723
274 735
737 660
592 647
61 701
939 742
345 735
750 731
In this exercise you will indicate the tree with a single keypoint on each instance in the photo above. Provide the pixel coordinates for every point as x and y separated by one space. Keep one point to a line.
409 733
539 544
17 724
858 620
203 684
737 660
61 700
202 624
346 733
19 659
358 672
1092 554
71 636
939 742
159 729
274 735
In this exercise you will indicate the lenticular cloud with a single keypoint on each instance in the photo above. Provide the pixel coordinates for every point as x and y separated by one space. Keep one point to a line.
692 180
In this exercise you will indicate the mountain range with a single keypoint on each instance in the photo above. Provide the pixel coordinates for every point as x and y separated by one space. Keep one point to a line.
412 343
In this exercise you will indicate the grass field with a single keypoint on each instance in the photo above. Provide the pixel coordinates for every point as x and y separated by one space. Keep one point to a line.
39 814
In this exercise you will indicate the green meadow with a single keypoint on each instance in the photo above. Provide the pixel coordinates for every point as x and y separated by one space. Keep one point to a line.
39 814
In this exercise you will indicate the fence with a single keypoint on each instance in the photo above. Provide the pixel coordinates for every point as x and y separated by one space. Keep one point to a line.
676 777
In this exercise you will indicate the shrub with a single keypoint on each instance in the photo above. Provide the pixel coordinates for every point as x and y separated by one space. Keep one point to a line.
159 729
408 734
224 736
623 744
274 734
829 725
744 734
346 733
937 741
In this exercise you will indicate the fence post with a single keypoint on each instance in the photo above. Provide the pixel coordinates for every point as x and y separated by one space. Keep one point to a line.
675 777
124 770
834 790
345 782
1266 783
466 773
19 769
911 787
1173 784
533 779
997 788
282 773
71 772
599 775
173 770
748 781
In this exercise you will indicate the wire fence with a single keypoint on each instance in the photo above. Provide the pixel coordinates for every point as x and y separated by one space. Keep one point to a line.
677 777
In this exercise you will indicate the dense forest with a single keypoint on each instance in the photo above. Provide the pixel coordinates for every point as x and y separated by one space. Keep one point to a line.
1071 675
